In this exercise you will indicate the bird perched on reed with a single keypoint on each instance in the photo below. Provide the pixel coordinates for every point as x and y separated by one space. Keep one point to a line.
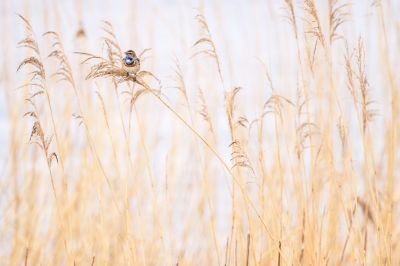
131 62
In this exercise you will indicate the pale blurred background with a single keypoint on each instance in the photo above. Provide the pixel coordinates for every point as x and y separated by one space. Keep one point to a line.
244 33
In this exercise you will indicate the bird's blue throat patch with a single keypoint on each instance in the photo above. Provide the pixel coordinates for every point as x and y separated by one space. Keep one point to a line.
129 60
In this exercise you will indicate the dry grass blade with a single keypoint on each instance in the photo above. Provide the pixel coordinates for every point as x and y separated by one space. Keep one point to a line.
368 113
29 43
137 94
27 24
230 103
303 128
107 69
36 63
303 135
113 49
240 156
103 107
290 16
31 96
203 110
89 56
209 50
79 118
31 85
39 138
342 135
337 17
51 156
178 78
310 54
26 256
316 29
275 103
114 56
366 209
144 73
226 251
64 71
37 131
30 114
248 249
347 57
242 121
142 57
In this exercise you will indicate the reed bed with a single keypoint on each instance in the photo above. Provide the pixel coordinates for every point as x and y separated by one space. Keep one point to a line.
260 133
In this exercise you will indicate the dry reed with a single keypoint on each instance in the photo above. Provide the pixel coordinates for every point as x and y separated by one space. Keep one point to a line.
293 163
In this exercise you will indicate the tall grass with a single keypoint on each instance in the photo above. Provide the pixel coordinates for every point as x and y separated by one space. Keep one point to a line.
285 155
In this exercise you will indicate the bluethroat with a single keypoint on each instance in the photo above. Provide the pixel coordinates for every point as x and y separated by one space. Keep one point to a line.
131 63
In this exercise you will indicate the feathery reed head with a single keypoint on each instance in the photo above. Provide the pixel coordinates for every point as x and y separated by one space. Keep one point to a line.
64 72
203 110
337 16
239 156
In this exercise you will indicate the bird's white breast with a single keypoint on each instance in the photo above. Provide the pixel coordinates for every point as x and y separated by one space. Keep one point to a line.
133 69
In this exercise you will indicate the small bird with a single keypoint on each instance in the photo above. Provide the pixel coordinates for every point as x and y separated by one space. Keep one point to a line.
131 63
